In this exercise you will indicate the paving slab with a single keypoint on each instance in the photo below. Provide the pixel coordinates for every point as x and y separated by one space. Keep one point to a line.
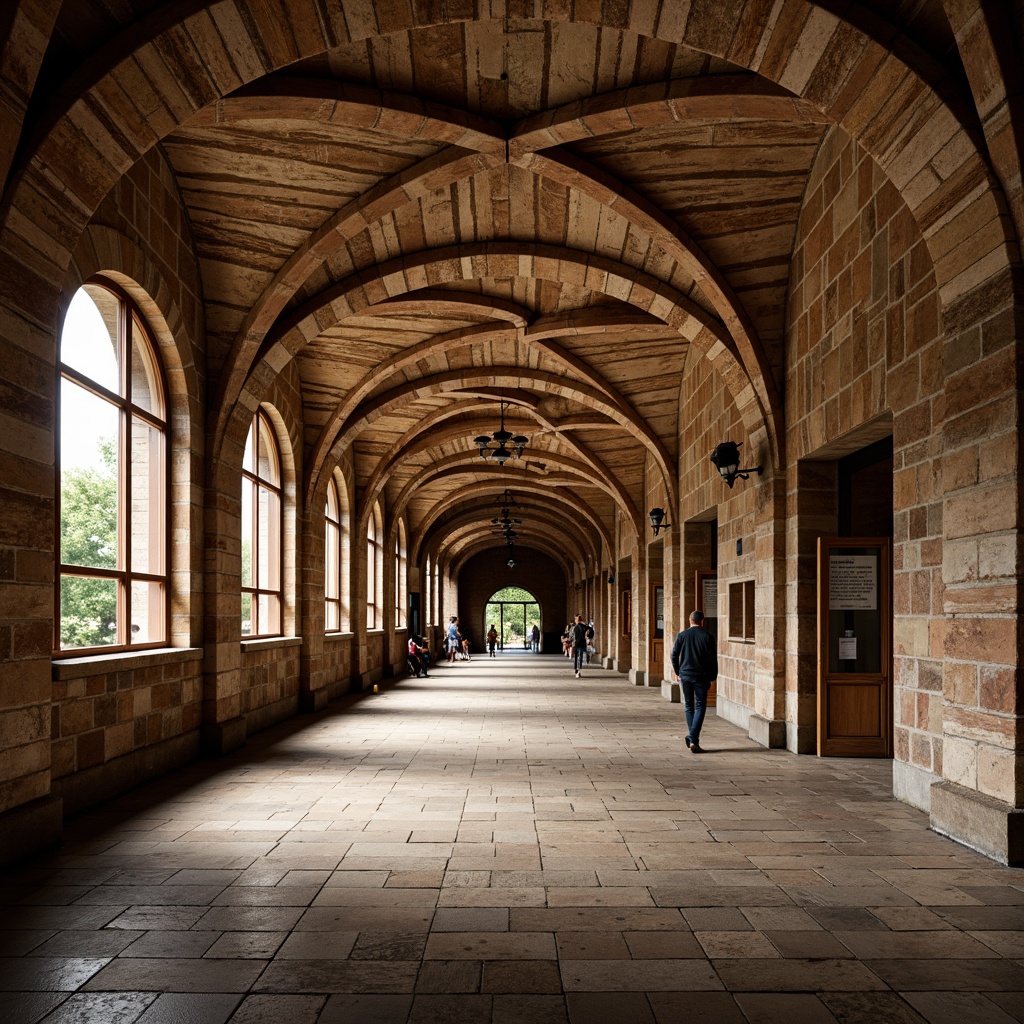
511 849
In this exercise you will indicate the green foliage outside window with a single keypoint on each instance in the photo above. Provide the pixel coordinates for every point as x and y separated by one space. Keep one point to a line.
88 538
513 594
513 611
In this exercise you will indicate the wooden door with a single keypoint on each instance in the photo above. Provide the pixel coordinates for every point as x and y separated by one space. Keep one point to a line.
854 647
706 587
657 665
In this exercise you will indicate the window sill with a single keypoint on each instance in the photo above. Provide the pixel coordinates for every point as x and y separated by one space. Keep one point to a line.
122 661
339 635
375 632
271 643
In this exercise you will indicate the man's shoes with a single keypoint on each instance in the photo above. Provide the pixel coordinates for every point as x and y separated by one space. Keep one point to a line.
696 749
687 742
577 675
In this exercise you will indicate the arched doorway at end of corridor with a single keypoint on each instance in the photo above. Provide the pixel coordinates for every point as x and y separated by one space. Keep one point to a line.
513 612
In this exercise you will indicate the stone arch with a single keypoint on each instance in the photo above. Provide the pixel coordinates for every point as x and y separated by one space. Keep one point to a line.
875 95
466 262
490 488
465 535
536 336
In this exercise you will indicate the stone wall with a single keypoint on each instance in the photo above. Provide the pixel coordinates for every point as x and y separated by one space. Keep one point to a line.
336 664
865 358
709 416
118 720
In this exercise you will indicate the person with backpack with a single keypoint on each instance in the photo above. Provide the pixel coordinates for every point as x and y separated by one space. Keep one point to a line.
578 639
492 641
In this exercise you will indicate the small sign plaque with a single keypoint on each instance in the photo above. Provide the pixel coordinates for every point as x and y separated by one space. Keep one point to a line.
853 583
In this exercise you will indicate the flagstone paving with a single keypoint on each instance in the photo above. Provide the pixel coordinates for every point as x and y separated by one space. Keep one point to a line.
502 842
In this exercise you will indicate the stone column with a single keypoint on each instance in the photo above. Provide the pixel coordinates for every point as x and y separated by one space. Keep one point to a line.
980 800
675 606
641 614
767 724
313 693
223 727
30 817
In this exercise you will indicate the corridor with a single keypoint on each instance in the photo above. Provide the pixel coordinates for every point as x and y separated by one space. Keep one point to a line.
501 842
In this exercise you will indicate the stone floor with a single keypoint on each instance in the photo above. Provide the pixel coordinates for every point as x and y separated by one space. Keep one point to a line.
501 842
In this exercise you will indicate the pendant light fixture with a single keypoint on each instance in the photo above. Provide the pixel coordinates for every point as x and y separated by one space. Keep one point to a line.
502 445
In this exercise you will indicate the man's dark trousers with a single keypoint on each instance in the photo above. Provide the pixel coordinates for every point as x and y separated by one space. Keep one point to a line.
695 697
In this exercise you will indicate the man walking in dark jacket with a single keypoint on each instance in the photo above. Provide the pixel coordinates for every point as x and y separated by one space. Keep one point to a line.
695 665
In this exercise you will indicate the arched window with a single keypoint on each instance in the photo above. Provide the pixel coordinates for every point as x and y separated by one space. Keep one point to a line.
374 565
113 477
336 558
332 560
428 593
401 576
261 531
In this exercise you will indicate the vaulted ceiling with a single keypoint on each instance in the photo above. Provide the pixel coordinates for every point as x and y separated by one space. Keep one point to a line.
549 213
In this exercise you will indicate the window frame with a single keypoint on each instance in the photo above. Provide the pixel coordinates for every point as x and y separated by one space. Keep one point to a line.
332 526
401 577
740 621
129 313
374 570
255 481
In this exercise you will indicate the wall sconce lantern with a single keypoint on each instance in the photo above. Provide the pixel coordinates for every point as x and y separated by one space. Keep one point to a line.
657 516
611 578
726 458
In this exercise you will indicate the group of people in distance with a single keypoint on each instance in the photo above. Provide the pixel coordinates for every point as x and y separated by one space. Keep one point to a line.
492 640
694 666
578 643
456 641
694 660
419 655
